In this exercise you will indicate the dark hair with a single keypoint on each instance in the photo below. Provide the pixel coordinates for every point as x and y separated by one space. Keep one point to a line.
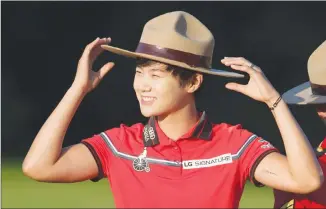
184 76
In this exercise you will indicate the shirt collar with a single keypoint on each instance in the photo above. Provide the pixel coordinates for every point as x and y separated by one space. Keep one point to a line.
201 130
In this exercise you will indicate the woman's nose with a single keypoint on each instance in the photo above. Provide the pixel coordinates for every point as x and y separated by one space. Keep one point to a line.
143 84
145 87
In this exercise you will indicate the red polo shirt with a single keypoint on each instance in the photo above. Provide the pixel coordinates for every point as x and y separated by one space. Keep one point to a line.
316 199
207 167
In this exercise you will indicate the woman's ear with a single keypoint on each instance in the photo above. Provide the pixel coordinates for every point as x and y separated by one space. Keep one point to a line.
195 83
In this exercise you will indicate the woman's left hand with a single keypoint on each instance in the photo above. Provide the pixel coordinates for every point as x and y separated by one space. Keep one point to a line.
258 87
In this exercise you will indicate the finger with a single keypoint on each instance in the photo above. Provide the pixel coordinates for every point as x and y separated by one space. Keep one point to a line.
89 48
235 87
235 58
105 69
243 68
236 61
95 50
103 41
90 45
240 61
98 49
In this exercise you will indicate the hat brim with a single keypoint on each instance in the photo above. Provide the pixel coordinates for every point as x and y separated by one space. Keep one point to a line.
130 54
302 95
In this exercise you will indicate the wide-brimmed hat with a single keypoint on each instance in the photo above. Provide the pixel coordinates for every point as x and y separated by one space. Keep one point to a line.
176 38
314 90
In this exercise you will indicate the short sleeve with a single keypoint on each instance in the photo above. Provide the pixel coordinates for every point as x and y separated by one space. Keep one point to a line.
100 149
253 150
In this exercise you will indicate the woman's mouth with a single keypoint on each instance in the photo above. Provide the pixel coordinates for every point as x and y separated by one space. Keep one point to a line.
146 100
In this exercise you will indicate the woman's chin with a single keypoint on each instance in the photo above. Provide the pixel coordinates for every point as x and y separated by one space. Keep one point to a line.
147 112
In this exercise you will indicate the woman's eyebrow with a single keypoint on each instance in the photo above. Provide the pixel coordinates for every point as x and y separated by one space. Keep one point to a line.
157 70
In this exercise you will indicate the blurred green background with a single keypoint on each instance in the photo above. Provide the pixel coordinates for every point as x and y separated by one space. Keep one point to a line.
20 192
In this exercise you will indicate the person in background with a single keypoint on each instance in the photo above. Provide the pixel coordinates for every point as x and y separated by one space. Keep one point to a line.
310 93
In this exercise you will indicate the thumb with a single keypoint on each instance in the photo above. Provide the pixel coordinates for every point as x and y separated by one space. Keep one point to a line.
235 87
105 69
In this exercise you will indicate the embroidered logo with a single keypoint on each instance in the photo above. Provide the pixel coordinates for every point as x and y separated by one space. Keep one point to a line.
140 163
266 145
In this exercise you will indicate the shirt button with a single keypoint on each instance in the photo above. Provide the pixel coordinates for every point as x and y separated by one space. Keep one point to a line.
176 148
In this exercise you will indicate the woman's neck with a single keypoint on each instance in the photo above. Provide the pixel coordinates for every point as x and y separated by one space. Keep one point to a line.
178 123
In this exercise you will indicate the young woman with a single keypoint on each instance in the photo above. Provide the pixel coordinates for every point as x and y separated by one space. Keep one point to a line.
180 158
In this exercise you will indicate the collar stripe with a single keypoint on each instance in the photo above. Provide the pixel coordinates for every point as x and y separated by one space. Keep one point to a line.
132 157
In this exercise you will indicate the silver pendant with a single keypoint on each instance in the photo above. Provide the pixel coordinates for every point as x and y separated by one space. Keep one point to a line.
140 163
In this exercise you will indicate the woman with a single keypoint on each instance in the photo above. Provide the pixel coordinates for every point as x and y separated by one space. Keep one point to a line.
180 158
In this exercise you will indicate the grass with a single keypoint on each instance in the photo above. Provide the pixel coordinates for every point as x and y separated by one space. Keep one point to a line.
20 192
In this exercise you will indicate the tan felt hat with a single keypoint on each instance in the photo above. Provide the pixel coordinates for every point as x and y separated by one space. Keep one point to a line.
176 38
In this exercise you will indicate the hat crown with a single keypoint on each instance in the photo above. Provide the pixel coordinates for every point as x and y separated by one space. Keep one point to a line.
179 39
317 65
180 31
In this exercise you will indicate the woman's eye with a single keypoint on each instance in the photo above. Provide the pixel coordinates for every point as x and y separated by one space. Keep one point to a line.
156 76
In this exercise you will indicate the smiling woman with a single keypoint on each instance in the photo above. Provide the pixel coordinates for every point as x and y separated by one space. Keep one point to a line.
150 156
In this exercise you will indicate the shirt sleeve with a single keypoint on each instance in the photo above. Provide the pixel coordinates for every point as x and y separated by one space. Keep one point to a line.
100 149
253 149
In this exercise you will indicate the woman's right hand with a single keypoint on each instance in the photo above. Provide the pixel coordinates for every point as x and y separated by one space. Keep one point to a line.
86 79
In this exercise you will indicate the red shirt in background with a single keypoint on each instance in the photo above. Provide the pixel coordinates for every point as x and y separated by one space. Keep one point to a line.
316 199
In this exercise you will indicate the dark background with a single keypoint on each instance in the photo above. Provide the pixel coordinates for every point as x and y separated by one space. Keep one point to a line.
42 42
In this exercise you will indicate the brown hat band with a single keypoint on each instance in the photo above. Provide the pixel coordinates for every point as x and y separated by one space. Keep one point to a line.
318 89
190 59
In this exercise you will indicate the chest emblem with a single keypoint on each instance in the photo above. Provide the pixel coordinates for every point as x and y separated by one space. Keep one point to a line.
140 163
